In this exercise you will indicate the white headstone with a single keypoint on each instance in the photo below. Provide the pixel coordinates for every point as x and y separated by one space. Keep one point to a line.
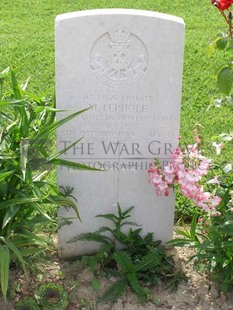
127 64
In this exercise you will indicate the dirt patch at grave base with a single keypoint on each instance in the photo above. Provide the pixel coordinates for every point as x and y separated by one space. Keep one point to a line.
197 293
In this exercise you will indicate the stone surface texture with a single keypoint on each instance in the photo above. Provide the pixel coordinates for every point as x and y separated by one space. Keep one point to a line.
127 66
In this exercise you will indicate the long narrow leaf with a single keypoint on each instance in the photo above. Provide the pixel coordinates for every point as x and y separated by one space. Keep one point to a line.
180 242
17 94
4 175
15 85
4 268
30 239
65 202
73 165
25 85
24 145
193 228
41 211
13 103
58 154
4 156
54 126
10 214
16 251
40 176
17 201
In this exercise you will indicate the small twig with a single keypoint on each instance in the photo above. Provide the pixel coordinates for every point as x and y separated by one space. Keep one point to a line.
223 14
228 20
230 23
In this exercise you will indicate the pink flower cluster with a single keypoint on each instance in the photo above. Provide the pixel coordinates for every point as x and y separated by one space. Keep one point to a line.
186 169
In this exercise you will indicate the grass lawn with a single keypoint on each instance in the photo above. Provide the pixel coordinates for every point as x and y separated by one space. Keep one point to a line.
27 39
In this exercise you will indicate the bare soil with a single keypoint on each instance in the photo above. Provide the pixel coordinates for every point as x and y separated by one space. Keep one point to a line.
197 293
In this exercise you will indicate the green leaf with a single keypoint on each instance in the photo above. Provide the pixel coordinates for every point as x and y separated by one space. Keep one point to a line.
95 284
16 251
24 145
49 129
7 156
4 175
91 236
225 80
58 154
109 216
18 201
40 109
193 228
10 214
65 202
13 103
25 85
72 164
115 291
15 85
24 124
139 291
4 268
149 261
41 211
125 213
124 261
179 242
221 42
131 224
227 168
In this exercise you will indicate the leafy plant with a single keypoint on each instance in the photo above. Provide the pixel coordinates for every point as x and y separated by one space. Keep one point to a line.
27 303
27 158
51 296
134 260
212 239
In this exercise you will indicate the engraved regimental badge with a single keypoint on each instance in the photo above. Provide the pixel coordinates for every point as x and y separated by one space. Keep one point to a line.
119 58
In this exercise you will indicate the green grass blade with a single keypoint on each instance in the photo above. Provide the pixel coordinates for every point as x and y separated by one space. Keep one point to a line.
24 145
4 175
44 133
65 202
18 201
10 214
16 251
14 84
58 154
13 103
193 228
4 268
180 242
72 164
5 157
24 123
41 211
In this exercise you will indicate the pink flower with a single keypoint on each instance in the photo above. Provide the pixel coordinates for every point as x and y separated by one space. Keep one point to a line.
216 201
169 169
162 187
169 178
192 177
186 169
156 179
